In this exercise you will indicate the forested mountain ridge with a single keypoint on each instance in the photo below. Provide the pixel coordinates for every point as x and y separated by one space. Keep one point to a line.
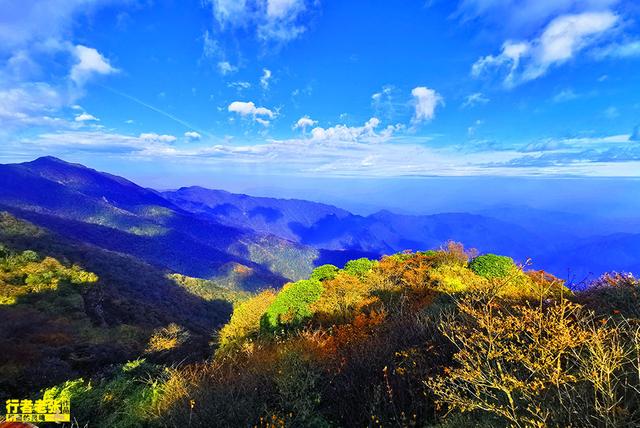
118 215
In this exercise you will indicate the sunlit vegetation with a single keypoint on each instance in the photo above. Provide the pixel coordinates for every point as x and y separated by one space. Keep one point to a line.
440 338
167 338
71 310
26 273
210 289
245 321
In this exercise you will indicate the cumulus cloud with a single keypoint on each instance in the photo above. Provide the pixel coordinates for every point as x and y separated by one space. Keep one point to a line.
249 108
425 101
474 99
266 77
304 123
366 133
245 109
90 62
561 40
192 135
85 117
42 71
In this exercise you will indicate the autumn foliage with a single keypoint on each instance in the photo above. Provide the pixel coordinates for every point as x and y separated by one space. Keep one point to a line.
437 338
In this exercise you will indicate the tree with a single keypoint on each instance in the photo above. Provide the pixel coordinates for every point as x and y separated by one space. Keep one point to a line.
292 304
492 266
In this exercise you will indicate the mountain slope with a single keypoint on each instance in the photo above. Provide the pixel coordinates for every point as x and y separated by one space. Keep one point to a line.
268 215
116 214
328 227
52 330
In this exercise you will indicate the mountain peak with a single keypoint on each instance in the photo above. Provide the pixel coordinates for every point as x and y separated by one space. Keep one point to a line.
52 160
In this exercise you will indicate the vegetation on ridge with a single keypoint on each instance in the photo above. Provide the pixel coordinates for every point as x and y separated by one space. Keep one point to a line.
438 338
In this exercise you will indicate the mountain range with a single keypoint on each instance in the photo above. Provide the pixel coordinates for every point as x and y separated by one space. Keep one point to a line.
253 242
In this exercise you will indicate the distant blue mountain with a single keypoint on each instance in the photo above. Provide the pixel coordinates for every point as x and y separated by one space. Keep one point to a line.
118 215
325 226
553 241
213 233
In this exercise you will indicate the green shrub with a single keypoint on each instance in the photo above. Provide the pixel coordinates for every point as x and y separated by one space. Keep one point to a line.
324 272
291 305
359 267
492 266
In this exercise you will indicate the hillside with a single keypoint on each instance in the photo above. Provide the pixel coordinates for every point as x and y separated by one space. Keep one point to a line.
439 338
70 308
115 214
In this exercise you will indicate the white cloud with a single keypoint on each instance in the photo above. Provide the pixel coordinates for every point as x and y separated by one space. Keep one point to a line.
356 153
249 108
31 104
561 40
266 77
272 20
24 23
262 122
153 137
192 135
258 114
90 62
355 134
426 100
281 8
224 67
85 117
521 18
304 122
41 71
474 99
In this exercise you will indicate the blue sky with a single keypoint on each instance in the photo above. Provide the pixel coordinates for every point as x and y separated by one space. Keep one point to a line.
320 88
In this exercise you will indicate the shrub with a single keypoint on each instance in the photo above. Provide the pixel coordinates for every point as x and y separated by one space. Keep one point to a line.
359 267
4 252
324 272
613 294
292 304
341 297
492 266
245 320
514 363
452 278
167 338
